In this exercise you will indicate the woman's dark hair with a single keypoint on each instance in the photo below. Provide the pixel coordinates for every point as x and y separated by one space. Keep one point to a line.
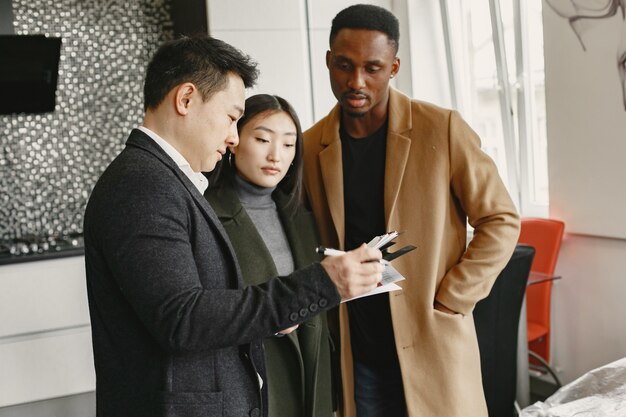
369 17
201 60
291 184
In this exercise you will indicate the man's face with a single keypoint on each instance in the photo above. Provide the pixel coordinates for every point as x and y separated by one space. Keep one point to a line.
212 125
361 63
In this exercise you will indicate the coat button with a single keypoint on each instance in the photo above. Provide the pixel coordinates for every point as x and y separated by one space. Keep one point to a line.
255 412
323 302
304 312
313 307
294 317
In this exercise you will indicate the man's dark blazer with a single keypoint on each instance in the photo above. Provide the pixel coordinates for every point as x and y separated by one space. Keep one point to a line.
174 331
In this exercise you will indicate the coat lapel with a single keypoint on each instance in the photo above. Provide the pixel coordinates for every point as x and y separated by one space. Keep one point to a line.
143 141
398 146
332 173
140 140
243 234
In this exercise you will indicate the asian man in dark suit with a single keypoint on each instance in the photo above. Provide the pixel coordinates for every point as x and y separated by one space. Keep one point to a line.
174 331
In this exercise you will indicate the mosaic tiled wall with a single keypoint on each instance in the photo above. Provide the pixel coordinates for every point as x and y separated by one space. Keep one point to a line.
50 162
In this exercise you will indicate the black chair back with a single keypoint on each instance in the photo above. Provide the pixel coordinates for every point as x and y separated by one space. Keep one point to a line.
497 319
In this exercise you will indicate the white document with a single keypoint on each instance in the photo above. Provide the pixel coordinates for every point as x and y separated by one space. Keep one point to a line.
387 284
390 274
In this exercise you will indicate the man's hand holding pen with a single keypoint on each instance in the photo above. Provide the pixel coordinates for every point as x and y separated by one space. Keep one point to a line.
355 272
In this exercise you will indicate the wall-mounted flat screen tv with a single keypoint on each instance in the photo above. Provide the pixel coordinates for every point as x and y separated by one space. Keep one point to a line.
29 67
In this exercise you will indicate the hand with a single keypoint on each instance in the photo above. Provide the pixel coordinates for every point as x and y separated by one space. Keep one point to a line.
286 331
356 272
443 309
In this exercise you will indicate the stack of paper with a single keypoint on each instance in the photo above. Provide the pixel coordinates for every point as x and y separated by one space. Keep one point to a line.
390 274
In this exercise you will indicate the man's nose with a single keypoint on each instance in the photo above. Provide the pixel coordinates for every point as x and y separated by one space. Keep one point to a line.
233 136
356 80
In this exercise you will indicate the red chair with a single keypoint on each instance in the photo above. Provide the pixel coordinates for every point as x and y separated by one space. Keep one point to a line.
545 236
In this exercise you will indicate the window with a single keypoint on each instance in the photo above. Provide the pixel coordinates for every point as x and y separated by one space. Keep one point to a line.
494 53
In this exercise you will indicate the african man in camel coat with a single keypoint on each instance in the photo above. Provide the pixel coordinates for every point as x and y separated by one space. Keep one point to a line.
436 177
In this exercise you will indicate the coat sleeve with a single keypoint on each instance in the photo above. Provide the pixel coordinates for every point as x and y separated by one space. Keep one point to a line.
480 193
152 262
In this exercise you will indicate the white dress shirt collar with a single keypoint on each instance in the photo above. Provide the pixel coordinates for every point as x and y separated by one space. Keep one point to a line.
197 178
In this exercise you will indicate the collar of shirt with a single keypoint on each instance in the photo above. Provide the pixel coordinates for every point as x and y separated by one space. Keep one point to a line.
197 178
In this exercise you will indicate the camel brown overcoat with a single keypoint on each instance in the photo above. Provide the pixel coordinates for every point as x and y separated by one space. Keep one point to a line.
437 179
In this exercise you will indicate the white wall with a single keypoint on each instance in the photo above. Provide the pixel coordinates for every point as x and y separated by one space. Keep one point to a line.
273 34
586 145
586 121
589 306
289 42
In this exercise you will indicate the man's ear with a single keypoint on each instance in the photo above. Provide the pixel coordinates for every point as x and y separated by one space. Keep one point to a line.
183 97
395 67
328 59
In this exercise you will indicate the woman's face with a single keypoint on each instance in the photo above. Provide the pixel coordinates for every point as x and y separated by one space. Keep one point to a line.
267 147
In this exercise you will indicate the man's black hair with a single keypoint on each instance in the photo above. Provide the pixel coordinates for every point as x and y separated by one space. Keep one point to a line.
370 17
201 60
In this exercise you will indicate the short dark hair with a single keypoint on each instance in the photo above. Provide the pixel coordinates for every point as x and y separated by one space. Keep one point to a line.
370 17
201 60
291 184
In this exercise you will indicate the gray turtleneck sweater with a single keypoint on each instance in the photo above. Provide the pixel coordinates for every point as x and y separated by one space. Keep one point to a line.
261 208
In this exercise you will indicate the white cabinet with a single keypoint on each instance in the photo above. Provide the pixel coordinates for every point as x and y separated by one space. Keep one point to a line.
45 337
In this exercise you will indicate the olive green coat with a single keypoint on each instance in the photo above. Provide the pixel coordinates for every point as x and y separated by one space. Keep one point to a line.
298 365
